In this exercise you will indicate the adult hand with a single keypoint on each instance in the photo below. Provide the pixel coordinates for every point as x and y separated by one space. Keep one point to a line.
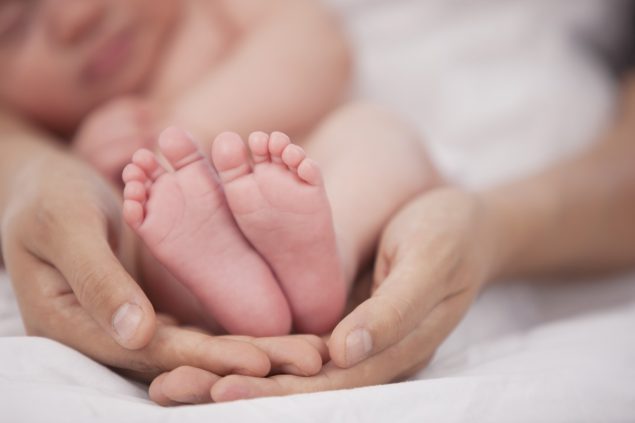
61 234
62 223
434 257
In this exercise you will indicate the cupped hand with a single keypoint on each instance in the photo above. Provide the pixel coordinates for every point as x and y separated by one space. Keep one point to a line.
433 259
63 224
62 237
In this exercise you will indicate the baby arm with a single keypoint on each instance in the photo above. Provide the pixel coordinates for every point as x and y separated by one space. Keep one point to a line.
109 136
288 68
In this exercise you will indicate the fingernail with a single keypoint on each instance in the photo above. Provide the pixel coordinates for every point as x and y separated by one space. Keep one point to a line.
358 345
126 321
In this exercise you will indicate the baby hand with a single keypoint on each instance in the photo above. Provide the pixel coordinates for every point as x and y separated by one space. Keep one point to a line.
110 135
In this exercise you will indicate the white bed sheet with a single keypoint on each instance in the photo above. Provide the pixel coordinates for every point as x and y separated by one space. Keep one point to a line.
524 353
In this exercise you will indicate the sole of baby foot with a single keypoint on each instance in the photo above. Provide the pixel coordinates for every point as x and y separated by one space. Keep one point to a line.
181 214
278 199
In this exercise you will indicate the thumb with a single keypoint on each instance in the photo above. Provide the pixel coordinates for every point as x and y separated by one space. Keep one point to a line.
395 309
106 291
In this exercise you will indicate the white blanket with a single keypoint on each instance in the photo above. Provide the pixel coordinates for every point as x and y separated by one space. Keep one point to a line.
523 354
497 88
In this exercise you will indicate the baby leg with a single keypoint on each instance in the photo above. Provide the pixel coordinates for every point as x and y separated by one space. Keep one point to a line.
277 197
371 164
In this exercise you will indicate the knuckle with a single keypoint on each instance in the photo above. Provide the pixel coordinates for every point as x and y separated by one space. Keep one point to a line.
91 285
201 346
158 352
141 362
312 339
46 221
170 349
397 314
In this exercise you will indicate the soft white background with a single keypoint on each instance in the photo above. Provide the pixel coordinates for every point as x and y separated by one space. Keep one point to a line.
497 89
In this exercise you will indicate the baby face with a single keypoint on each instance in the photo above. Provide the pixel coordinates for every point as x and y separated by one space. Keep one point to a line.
61 58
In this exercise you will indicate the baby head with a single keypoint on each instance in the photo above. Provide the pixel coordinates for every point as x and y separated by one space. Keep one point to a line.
61 58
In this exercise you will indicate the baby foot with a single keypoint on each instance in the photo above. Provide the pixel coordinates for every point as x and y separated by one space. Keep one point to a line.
279 202
182 217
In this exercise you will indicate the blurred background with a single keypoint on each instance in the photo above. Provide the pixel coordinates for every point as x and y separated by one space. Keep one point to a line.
486 80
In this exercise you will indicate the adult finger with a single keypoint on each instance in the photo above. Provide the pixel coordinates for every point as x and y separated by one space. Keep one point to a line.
101 284
376 370
183 385
173 347
52 311
301 355
396 308
155 392
400 360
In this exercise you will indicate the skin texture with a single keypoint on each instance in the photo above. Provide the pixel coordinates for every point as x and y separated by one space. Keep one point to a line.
407 319
318 76
183 218
62 240
445 245
278 199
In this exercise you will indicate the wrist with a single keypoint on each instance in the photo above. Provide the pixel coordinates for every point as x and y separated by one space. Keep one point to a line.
491 243
501 242
517 217
473 229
